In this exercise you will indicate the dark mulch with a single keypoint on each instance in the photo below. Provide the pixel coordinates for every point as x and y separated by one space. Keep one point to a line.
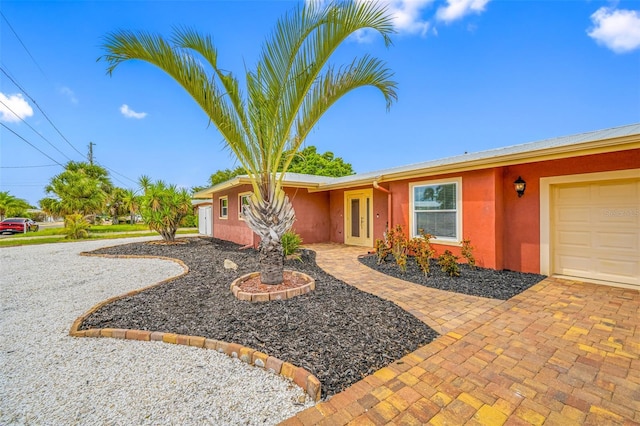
481 282
337 332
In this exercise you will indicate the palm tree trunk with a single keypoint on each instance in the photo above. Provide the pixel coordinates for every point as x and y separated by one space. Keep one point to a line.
271 260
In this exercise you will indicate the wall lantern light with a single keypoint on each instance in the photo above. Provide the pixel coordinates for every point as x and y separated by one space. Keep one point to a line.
520 185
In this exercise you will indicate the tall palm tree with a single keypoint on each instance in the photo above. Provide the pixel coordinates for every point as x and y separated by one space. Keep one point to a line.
290 88
131 203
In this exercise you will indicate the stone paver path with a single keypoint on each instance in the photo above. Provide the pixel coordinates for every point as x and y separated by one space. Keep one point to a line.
561 353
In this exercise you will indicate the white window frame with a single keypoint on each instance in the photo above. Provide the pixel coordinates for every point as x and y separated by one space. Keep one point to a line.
439 240
226 208
242 195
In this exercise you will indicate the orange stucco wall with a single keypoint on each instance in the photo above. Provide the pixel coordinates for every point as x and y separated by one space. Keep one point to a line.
312 216
313 220
481 205
503 229
232 228
521 222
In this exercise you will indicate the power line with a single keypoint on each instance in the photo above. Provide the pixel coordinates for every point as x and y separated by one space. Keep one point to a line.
24 184
41 110
32 145
38 133
113 171
28 167
24 46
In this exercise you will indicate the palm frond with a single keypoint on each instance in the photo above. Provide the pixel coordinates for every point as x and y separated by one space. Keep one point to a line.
185 68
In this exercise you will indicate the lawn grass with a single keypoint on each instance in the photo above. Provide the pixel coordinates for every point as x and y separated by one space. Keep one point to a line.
61 238
99 229
123 227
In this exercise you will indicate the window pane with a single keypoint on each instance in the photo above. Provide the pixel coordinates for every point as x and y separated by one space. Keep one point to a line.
244 202
435 197
355 217
223 207
440 224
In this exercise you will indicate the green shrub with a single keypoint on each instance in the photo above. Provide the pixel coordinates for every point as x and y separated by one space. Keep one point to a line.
382 250
189 221
76 227
467 253
397 243
422 251
163 207
449 263
290 242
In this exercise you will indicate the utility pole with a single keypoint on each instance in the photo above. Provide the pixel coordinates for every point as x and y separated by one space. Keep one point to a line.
90 155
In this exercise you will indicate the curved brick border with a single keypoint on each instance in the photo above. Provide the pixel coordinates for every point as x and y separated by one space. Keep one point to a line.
276 295
301 377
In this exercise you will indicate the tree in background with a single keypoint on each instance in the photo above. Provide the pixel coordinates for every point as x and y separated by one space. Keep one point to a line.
82 188
224 175
309 162
131 202
11 206
163 207
288 91
116 204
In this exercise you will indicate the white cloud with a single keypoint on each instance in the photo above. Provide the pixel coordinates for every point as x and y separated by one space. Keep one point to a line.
410 17
16 103
407 15
129 113
64 90
458 9
618 30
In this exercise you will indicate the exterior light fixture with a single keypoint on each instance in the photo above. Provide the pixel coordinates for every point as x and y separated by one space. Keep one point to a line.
520 185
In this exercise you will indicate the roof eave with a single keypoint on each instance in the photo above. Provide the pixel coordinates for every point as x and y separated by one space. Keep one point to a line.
244 180
554 153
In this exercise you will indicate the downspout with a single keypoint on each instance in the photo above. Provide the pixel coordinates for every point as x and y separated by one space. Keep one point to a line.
389 221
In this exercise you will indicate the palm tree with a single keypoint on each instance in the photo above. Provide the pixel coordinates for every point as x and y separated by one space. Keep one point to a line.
11 205
163 207
131 203
81 188
290 88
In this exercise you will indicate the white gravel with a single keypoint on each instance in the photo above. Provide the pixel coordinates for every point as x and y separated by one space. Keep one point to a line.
49 378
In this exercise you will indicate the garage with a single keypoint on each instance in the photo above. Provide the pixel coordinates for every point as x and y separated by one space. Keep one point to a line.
595 230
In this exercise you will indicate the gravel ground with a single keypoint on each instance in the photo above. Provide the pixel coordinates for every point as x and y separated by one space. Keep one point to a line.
49 378
337 332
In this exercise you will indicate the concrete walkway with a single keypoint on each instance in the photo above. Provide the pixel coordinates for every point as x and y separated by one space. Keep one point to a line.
561 353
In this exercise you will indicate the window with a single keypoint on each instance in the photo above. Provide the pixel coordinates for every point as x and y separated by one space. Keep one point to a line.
436 209
243 203
224 207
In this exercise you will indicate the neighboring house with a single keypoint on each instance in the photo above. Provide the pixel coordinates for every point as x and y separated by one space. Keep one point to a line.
579 215
203 209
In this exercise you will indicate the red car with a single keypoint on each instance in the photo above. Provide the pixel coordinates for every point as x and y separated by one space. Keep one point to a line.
18 224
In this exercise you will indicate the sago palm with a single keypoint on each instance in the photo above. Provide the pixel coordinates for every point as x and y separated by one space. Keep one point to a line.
291 87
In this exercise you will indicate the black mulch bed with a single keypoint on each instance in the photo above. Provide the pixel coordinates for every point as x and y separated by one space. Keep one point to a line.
481 282
337 332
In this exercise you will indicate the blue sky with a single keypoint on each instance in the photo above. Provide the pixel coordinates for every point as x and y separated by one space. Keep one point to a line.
472 75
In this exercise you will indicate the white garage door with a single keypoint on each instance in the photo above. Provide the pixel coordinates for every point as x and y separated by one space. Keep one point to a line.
595 230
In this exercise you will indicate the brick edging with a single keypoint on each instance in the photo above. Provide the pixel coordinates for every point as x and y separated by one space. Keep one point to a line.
276 295
301 377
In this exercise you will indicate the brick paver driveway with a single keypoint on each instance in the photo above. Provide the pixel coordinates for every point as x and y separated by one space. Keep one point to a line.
562 352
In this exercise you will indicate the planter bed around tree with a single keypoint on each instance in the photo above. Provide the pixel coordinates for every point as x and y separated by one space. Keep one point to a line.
337 332
480 282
